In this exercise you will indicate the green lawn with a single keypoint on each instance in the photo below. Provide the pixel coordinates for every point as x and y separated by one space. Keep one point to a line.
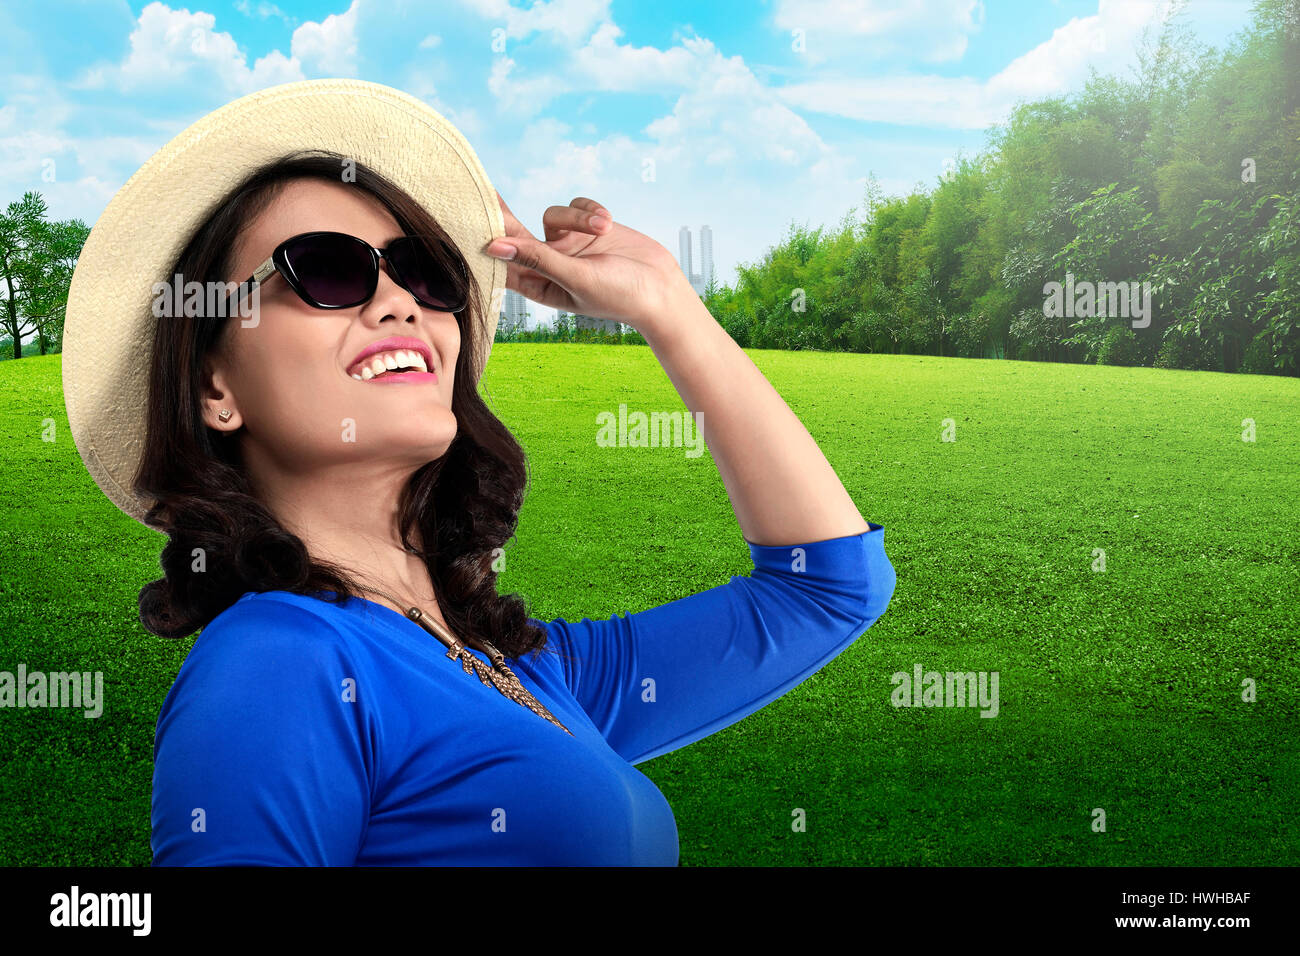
1119 690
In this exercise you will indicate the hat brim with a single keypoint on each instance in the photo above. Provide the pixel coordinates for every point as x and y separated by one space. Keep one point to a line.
109 325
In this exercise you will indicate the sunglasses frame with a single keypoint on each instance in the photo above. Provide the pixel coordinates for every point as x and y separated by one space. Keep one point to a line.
277 262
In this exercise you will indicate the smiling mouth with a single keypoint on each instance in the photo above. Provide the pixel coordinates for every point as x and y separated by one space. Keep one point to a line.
393 366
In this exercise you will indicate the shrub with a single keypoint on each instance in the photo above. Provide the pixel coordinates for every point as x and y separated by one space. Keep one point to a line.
1119 346
1258 359
1189 351
1030 334
969 333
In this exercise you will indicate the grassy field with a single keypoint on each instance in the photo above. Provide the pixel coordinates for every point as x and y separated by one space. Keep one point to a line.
1120 690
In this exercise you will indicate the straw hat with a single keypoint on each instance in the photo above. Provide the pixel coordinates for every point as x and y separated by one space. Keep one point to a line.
109 328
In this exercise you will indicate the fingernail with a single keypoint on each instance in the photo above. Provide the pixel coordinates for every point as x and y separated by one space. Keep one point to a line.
502 250
597 221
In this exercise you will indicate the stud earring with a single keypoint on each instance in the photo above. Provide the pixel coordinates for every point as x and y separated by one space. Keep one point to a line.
225 414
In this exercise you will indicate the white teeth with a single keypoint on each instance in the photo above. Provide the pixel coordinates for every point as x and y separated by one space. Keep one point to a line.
389 361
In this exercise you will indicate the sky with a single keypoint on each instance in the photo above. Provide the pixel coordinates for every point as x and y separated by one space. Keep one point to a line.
749 116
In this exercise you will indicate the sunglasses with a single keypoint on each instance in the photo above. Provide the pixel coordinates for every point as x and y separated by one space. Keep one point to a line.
332 270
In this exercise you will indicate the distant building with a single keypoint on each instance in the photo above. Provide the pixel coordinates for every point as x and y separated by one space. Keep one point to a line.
706 258
587 322
698 278
514 312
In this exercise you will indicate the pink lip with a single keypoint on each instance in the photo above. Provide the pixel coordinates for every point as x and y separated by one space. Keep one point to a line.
414 378
398 342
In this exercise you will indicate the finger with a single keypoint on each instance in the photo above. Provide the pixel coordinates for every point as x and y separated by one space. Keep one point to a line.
564 270
537 288
525 281
559 221
582 202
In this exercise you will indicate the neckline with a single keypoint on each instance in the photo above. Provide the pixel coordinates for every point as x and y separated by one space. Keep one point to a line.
362 603
366 600
384 607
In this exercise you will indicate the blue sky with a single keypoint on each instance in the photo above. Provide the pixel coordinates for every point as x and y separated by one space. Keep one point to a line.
754 114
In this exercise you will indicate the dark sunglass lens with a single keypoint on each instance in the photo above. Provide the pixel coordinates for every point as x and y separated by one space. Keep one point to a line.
335 270
437 284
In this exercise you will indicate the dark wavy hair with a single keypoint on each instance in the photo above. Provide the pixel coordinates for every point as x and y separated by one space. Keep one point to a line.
464 505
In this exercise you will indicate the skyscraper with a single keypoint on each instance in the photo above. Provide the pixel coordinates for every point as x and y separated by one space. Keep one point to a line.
699 280
706 257
514 312
684 252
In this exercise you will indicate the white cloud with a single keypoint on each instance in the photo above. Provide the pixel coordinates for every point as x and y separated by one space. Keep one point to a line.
921 100
524 97
329 47
939 29
34 101
416 81
1105 40
721 106
35 147
604 63
568 20
174 48
726 109
263 10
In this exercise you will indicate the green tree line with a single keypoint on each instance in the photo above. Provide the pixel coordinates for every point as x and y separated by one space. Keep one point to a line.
1183 179
565 329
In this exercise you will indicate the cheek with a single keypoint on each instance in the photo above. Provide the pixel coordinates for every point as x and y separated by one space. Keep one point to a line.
293 394
447 341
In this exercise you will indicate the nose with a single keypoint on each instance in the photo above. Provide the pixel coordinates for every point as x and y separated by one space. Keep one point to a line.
390 301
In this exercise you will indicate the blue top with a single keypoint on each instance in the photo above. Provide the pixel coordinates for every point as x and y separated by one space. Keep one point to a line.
300 732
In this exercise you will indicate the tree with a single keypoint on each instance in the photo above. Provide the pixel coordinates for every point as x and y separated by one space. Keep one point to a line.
564 326
37 259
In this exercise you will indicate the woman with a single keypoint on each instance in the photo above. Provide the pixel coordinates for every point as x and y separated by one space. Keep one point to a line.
335 493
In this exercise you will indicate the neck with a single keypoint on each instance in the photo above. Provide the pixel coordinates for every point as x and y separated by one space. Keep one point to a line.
347 515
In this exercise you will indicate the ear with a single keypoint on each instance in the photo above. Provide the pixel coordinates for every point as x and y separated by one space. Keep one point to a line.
220 410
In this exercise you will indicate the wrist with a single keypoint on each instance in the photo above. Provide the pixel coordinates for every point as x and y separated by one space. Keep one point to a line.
680 308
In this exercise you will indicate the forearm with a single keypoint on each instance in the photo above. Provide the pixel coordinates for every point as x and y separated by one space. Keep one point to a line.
782 488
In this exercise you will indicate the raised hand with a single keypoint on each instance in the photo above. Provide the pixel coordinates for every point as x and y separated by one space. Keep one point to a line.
591 265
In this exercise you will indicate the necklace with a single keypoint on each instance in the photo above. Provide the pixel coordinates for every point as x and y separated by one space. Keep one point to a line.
498 675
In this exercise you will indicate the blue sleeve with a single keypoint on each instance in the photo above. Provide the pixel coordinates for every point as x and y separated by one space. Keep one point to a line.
260 757
660 679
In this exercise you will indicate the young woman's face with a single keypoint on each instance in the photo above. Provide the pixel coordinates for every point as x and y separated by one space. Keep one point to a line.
289 378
